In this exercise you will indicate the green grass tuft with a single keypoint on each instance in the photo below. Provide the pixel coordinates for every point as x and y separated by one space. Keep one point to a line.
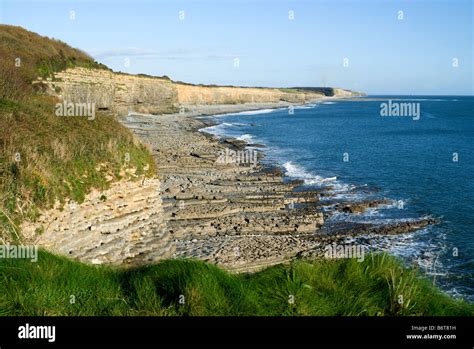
58 286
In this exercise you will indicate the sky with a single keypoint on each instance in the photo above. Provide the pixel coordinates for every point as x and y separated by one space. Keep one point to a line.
406 47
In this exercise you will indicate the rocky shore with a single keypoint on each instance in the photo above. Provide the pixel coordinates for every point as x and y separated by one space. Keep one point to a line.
239 216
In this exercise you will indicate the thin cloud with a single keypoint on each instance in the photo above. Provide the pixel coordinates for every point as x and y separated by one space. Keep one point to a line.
135 52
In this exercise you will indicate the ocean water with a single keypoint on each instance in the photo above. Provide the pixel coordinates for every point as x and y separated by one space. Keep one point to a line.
425 167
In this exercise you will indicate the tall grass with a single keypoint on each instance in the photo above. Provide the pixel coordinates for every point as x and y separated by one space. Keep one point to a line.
43 157
25 56
58 286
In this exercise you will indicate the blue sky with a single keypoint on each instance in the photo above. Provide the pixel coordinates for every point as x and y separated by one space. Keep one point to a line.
385 55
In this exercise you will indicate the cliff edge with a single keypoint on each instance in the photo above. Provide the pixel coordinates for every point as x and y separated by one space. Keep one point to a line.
124 93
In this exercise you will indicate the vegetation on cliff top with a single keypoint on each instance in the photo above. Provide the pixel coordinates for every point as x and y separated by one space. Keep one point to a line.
378 286
25 56
44 157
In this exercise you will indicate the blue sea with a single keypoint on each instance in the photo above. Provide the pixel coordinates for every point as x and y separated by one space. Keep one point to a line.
424 166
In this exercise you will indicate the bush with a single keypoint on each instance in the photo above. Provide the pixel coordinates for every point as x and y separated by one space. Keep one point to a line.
12 84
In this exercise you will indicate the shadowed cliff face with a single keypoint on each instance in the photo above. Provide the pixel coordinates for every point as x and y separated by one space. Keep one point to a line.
121 225
119 93
122 93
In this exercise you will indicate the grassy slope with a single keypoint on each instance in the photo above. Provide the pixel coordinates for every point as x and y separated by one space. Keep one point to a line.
44 157
37 56
321 287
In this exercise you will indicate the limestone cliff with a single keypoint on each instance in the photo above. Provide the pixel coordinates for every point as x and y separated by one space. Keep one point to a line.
123 224
197 94
119 93
124 93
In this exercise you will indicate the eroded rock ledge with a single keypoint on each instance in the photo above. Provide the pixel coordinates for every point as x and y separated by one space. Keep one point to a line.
240 217
123 224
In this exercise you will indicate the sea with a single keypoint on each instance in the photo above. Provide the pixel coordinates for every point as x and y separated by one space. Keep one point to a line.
415 151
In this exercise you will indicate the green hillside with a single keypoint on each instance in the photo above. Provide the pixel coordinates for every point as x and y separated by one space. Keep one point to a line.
44 157
379 286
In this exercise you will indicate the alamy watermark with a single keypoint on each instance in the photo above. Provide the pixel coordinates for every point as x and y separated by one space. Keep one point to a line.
240 157
86 109
19 251
345 251
391 108
37 332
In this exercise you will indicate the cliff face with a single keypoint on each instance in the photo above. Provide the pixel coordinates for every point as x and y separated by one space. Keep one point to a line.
194 94
330 91
122 93
119 93
339 92
123 224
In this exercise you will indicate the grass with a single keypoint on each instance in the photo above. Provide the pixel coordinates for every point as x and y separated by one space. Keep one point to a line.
45 158
289 90
25 56
58 286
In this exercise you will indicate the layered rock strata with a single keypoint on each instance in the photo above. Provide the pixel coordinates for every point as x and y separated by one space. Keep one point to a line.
125 93
122 225
240 217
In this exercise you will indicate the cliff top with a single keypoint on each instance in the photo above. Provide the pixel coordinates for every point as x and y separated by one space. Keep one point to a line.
38 55
25 55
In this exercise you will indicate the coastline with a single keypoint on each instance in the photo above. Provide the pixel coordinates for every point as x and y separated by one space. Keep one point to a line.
238 217
250 193
242 217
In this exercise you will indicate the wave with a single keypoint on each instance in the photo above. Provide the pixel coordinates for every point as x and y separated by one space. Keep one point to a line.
245 137
296 171
256 112
249 112
216 130
306 106
420 248
238 124
329 103
410 245
224 125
